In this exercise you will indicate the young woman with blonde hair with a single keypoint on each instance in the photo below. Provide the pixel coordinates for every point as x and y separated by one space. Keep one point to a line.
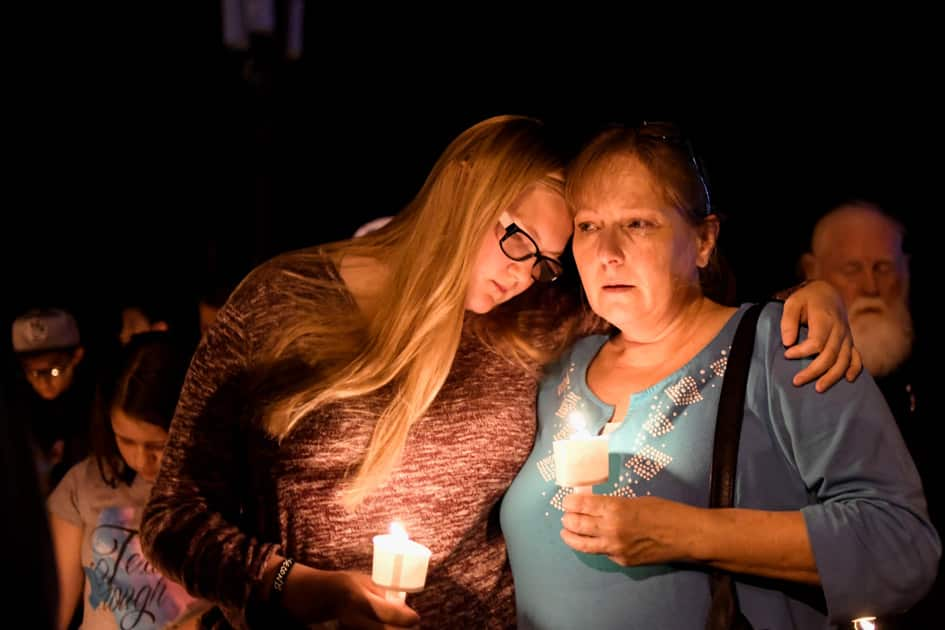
387 378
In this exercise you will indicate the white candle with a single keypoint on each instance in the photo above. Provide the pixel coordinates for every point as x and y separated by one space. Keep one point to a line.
864 623
400 564
581 460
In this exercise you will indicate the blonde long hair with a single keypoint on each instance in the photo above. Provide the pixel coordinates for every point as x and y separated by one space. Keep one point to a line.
408 345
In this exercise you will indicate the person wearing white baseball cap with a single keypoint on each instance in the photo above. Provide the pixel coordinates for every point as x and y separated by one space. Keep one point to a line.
54 397
48 346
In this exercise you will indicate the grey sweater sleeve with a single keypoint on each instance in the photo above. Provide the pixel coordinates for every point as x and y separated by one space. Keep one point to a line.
189 527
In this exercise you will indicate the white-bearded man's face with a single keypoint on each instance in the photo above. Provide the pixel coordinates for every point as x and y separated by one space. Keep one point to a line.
858 250
882 332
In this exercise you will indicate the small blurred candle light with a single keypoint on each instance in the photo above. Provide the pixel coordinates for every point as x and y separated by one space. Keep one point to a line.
582 459
400 564
864 623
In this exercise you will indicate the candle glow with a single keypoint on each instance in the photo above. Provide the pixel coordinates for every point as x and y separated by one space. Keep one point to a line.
400 564
581 460
398 532
578 424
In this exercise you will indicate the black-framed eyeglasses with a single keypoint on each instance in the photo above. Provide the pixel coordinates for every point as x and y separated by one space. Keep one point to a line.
671 133
518 245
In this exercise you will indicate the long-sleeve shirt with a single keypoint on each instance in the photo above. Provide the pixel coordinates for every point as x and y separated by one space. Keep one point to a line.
229 496
837 457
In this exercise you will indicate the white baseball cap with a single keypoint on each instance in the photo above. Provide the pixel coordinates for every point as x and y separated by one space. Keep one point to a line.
46 329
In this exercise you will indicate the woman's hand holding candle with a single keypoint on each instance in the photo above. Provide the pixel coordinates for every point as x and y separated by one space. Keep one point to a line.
312 595
582 459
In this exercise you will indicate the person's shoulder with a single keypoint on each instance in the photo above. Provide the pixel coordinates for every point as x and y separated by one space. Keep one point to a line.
81 469
768 346
578 355
302 264
78 480
586 347
769 320
284 276
86 473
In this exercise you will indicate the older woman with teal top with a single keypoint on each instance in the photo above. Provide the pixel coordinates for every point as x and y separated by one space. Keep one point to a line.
830 521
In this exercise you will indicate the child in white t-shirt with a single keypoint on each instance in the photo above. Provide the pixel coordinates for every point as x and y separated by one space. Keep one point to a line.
95 510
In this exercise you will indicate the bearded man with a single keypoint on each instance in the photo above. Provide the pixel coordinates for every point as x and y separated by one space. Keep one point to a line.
858 248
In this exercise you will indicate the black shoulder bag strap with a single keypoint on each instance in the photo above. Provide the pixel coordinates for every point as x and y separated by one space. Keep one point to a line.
724 613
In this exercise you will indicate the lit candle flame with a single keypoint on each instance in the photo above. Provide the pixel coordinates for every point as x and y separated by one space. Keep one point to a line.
397 531
865 623
579 424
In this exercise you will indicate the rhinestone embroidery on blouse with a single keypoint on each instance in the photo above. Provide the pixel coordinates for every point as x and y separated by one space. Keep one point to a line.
648 460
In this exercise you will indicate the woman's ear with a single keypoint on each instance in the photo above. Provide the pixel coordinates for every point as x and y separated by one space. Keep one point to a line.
708 237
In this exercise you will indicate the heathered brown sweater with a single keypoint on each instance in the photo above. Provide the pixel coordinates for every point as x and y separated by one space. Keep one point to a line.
228 496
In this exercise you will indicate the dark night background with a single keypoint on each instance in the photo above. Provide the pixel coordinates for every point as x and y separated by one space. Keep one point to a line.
145 157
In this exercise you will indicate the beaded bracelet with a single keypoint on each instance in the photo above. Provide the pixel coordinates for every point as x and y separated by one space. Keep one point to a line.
278 583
